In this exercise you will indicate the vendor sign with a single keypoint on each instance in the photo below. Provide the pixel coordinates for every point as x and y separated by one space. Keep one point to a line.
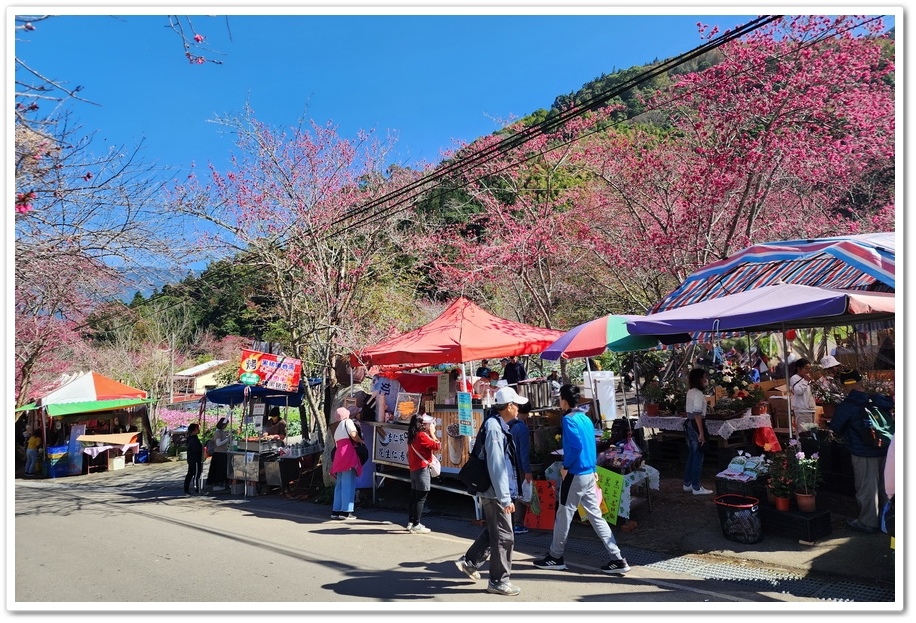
275 371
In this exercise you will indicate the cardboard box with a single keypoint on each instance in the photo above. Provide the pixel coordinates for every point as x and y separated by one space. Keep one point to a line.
116 462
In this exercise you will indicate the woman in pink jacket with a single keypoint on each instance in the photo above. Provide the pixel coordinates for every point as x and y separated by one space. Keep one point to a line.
346 466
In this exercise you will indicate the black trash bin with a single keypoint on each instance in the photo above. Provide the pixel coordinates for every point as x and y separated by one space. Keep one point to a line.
739 518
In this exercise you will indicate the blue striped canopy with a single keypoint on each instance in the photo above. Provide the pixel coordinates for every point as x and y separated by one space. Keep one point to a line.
858 262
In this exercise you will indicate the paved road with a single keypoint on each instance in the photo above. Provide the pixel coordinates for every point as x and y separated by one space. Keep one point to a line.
99 541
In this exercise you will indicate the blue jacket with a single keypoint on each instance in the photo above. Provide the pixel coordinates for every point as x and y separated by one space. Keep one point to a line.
579 453
498 452
848 420
522 438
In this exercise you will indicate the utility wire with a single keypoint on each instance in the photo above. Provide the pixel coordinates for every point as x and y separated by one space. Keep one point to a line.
456 167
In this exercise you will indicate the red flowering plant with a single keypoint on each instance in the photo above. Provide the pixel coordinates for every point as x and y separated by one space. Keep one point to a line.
781 480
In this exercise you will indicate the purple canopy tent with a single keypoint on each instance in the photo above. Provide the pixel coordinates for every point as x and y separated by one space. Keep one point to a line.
770 308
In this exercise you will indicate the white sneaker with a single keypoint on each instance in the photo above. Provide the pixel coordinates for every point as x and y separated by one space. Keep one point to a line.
419 529
688 488
702 491
409 526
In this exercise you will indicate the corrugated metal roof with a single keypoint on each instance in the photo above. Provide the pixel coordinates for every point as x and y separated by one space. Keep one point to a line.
201 368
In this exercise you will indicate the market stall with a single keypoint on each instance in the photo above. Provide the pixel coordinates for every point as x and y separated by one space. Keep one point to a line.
463 332
88 402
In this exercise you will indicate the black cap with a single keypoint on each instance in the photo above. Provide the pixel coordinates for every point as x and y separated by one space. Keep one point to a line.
850 378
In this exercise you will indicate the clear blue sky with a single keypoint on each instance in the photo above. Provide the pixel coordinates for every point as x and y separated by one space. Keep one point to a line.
430 79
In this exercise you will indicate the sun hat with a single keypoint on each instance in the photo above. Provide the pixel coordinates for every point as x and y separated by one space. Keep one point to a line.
506 395
342 413
850 378
829 362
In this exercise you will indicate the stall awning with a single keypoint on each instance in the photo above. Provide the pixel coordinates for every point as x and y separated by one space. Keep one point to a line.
73 408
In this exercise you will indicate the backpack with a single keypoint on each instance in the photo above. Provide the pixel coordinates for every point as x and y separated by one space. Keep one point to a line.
474 473
877 426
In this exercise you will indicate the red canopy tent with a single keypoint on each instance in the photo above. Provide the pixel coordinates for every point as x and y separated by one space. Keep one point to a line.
463 332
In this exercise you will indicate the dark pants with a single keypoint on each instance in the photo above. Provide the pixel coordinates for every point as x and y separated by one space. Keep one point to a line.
195 470
496 542
219 465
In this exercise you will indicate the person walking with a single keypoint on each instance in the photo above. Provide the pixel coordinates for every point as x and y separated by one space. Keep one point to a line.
219 461
422 443
195 459
580 479
31 453
497 541
346 466
849 420
695 430
521 437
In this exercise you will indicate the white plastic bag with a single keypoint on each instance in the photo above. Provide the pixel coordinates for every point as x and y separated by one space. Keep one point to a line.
526 491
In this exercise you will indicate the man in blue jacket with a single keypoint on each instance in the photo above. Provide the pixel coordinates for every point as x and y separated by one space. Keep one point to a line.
497 540
850 420
580 478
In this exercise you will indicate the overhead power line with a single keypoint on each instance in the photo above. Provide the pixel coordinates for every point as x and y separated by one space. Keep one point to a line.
378 209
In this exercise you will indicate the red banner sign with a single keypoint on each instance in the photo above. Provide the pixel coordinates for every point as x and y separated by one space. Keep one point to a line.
276 371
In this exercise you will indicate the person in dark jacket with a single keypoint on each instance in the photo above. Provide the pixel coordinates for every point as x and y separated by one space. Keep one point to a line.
514 371
195 459
521 436
867 461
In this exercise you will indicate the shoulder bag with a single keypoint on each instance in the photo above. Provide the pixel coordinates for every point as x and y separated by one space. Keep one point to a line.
435 467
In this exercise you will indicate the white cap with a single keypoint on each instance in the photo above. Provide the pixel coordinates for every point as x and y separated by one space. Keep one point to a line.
829 362
506 395
427 419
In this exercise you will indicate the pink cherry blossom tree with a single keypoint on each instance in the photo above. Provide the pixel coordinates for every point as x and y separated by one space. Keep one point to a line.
791 136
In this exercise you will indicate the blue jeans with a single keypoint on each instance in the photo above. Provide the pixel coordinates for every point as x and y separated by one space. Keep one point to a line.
694 457
31 460
344 491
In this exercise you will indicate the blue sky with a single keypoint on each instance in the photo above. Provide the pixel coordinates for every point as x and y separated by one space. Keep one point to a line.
429 79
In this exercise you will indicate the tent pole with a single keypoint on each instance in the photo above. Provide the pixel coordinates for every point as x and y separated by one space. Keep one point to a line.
785 354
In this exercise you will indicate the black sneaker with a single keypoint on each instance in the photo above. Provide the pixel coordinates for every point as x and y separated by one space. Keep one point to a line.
616 567
549 562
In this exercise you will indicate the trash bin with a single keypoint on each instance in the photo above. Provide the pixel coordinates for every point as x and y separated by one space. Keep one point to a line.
739 518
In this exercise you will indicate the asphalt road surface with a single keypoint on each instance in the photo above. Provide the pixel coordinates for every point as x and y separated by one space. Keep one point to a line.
129 541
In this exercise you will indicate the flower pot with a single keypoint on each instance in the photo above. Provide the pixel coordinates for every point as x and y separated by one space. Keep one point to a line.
651 409
805 502
782 504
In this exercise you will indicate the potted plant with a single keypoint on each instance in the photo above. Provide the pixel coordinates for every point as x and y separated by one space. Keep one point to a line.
755 399
828 393
806 473
674 397
654 393
780 482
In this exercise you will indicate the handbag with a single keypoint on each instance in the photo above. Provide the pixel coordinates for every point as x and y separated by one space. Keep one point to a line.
362 451
435 466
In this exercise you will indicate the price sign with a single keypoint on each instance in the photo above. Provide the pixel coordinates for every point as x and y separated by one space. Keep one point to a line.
465 418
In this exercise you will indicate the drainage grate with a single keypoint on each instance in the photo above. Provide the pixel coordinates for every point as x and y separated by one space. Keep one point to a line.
847 591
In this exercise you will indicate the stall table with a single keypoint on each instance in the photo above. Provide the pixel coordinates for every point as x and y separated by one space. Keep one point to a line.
120 443
717 428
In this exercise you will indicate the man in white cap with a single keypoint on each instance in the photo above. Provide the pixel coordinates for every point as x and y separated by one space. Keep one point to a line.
497 540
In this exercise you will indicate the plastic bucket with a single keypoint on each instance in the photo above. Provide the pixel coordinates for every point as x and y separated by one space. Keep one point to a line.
738 516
